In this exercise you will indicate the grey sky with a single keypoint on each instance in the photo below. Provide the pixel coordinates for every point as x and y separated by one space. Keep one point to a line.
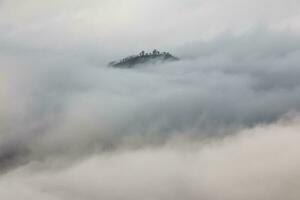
146 24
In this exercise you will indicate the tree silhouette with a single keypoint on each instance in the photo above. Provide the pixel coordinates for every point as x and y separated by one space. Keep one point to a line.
142 53
142 58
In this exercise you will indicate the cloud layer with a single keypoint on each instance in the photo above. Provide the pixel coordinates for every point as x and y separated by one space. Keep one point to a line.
260 163
222 123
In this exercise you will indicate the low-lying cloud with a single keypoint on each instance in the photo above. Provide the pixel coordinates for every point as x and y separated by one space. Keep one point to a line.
259 163
67 106
221 123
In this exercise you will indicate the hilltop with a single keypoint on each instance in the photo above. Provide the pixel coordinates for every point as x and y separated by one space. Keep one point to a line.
144 58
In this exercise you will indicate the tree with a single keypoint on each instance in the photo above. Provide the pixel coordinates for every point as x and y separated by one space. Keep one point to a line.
154 52
142 53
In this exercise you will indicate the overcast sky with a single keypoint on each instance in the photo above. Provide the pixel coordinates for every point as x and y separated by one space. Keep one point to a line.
220 124
145 24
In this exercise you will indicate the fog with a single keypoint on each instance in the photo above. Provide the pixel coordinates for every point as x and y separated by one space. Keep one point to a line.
221 123
259 163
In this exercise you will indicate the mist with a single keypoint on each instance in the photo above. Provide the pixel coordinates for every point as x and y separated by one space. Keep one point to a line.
221 123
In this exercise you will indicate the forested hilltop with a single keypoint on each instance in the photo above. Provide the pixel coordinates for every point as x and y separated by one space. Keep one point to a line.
144 58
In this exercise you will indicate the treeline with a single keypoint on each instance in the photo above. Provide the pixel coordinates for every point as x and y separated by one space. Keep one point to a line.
143 57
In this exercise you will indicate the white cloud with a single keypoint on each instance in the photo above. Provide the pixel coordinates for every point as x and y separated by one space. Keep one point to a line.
260 163
72 128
